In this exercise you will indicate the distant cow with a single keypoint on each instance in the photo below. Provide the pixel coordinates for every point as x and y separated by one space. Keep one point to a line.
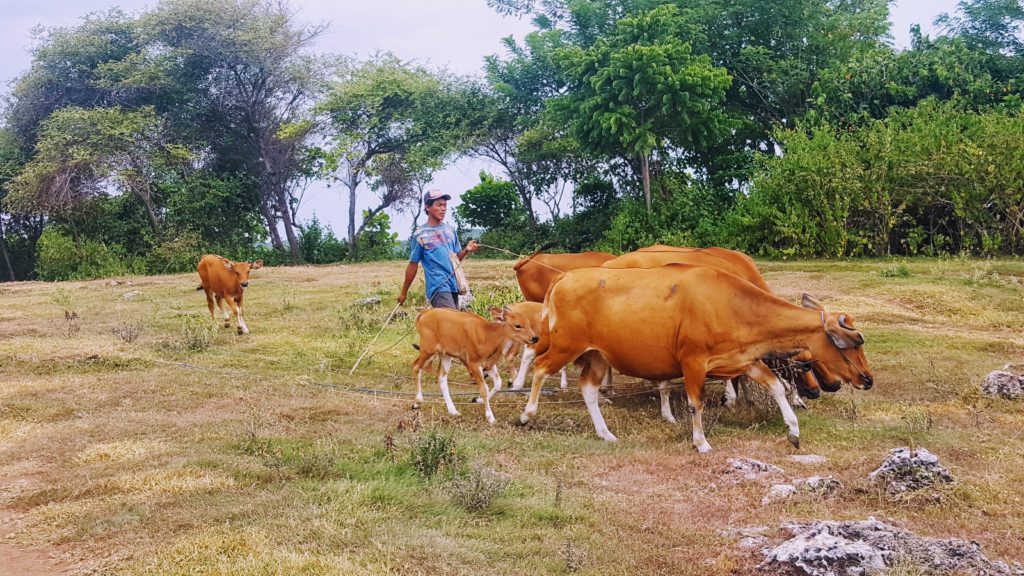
226 280
536 272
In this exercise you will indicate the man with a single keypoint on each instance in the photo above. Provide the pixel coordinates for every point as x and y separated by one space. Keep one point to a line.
431 245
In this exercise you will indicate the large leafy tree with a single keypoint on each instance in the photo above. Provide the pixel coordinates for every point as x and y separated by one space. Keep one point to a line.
84 152
251 78
641 91
379 108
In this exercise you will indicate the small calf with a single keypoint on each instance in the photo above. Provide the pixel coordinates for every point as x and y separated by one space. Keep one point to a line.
226 280
476 342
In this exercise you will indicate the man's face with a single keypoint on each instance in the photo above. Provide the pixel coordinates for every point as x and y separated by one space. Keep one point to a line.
438 209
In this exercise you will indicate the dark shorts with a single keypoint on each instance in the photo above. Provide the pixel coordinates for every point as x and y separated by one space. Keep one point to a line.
442 299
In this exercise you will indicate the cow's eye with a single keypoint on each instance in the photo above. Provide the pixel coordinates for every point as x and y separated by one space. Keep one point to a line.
518 327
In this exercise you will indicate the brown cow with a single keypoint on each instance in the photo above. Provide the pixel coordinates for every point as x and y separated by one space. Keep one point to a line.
226 280
536 272
689 321
728 261
478 343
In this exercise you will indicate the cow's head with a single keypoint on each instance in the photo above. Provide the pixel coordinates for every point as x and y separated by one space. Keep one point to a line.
807 383
523 330
241 269
841 356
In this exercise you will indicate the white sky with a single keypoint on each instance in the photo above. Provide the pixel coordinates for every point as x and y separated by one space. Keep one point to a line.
456 34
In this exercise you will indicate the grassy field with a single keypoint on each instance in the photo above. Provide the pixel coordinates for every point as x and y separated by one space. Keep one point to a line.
137 438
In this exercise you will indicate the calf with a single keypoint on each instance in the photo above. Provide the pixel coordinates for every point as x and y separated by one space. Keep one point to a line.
476 342
226 280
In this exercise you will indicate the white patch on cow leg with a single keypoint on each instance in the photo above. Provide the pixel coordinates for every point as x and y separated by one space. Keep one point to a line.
488 393
730 393
419 388
592 396
665 392
496 380
241 322
442 381
565 379
699 441
531 405
779 393
524 365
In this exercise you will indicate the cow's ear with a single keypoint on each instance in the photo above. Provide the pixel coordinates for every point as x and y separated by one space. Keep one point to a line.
227 263
808 301
496 313
257 264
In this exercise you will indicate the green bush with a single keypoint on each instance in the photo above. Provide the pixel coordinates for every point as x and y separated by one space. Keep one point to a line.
434 453
319 245
179 254
477 488
59 258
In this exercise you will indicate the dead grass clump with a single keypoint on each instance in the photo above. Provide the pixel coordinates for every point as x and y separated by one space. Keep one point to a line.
475 489
128 332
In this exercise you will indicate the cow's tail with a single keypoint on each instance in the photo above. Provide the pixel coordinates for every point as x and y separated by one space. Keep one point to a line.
416 346
198 288
544 248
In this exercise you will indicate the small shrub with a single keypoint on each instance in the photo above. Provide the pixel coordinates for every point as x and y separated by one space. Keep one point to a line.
434 453
128 331
475 489
574 556
497 296
895 271
197 333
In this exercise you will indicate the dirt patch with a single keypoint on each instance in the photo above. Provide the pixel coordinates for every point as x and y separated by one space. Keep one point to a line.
35 561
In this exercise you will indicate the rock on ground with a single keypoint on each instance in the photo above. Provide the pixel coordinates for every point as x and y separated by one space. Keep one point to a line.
866 547
1003 384
752 469
909 469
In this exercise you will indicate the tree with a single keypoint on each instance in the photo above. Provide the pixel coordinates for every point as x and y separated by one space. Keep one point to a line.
248 74
383 107
81 153
641 90
491 204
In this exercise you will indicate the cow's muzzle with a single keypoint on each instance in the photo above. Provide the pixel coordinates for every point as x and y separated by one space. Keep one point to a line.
807 392
830 386
245 284
534 339
868 382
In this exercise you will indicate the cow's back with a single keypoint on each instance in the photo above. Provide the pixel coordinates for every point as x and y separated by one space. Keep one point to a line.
656 259
743 264
536 274
212 274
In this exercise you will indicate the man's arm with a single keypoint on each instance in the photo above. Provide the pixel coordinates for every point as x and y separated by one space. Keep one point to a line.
469 249
410 275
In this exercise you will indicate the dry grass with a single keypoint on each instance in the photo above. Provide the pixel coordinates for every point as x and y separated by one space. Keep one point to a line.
177 451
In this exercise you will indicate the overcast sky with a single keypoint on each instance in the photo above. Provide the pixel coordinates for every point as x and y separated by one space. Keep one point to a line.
456 34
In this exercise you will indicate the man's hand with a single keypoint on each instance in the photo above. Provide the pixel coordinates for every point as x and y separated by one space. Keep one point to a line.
473 246
401 298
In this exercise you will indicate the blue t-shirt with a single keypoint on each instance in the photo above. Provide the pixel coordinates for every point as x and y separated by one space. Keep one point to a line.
431 246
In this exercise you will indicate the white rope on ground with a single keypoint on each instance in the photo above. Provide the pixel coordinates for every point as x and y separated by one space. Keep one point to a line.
370 345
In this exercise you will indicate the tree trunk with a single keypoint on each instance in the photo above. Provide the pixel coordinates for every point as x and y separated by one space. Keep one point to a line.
268 215
3 250
352 218
645 175
289 228
147 201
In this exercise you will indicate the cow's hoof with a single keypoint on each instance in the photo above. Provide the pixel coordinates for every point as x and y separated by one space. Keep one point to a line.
491 420
523 420
227 324
794 440
478 400
703 448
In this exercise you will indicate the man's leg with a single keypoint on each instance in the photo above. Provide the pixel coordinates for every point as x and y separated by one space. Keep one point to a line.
443 299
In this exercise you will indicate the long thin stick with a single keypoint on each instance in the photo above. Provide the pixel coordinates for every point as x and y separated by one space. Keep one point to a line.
381 331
